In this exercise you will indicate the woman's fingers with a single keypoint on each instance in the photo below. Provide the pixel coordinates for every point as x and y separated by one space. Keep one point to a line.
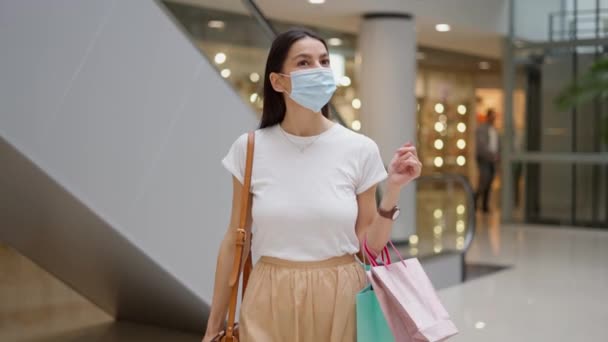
408 156
403 150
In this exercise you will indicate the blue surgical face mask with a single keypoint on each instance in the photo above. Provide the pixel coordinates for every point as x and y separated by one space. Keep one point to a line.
312 88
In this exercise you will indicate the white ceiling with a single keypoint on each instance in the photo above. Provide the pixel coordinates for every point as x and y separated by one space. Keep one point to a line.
477 25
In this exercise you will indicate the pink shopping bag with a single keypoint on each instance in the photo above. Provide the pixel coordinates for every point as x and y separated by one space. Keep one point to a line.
409 301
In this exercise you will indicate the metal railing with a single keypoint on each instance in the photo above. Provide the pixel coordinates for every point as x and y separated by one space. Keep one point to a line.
565 24
450 179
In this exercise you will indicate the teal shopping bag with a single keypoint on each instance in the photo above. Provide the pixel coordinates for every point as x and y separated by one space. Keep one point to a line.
371 324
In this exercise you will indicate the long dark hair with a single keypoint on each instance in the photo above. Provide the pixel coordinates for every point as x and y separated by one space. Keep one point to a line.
274 103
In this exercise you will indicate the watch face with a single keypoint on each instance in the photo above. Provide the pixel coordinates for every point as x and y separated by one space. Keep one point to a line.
396 214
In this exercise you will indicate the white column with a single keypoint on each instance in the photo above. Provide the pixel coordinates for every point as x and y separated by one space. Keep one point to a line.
387 47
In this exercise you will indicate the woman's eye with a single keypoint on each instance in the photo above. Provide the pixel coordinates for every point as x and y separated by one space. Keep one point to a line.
302 63
325 62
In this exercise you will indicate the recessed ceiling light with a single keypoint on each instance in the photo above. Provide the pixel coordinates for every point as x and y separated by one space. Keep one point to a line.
216 24
334 41
226 73
484 65
316 2
480 325
442 27
220 58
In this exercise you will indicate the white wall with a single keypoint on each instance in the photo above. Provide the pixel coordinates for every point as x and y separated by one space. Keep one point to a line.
115 104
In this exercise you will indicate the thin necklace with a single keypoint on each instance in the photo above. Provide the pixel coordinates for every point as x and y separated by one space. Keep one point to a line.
296 145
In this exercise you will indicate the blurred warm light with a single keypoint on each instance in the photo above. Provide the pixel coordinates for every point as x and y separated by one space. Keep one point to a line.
414 239
216 24
460 226
220 58
439 127
461 160
460 246
226 73
480 325
462 109
345 81
253 97
438 144
438 230
438 213
461 144
254 77
439 108
462 127
356 103
356 125
334 41
460 209
438 161
443 27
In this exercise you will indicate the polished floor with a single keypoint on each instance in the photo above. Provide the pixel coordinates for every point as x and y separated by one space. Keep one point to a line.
555 288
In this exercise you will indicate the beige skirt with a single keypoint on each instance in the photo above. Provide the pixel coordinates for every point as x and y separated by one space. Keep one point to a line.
302 301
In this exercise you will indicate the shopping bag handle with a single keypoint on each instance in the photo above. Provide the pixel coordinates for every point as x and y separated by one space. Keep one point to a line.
386 258
385 255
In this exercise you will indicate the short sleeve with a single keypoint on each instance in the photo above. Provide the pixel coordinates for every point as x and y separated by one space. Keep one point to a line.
235 161
371 167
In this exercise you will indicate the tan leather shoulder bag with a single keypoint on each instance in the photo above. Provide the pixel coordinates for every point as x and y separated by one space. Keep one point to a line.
231 334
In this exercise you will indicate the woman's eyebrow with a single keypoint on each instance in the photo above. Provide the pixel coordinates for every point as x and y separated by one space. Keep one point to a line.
308 55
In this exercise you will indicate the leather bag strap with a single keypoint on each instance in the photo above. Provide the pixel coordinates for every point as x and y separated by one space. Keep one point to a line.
241 239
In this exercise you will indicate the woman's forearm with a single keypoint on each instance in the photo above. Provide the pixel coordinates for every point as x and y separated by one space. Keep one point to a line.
379 231
221 289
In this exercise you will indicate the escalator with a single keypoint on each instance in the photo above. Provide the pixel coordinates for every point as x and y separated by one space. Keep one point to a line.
112 119
110 128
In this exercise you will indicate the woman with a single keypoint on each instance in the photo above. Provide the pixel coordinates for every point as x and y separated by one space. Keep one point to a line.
313 185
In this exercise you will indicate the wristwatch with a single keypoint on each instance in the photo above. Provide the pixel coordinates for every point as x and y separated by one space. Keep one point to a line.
392 214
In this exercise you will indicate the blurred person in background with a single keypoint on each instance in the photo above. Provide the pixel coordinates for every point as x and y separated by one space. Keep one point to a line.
487 155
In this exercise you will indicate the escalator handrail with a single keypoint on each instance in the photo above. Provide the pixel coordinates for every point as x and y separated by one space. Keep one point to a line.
257 14
470 195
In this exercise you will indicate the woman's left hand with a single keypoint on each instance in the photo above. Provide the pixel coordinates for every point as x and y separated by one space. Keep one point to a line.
405 166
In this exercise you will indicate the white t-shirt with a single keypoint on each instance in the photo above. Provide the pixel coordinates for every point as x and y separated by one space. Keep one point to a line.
305 190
